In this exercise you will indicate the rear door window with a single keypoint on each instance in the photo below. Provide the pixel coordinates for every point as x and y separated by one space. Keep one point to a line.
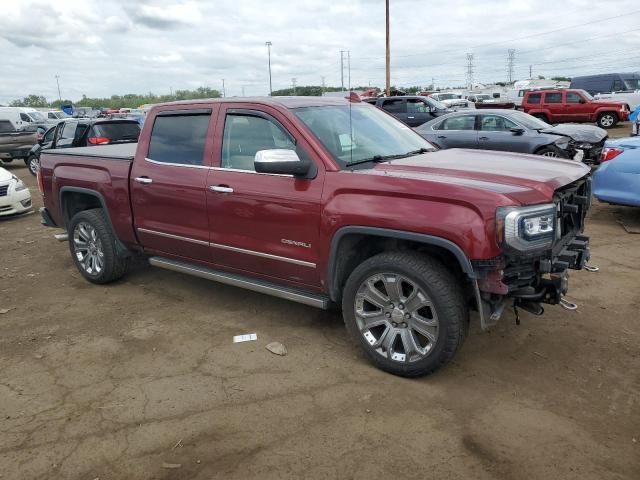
466 122
69 130
179 139
555 97
395 106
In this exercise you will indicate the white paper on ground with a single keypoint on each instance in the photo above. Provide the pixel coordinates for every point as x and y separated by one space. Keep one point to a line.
245 338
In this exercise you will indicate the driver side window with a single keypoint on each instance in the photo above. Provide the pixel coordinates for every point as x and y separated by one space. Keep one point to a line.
417 106
244 135
496 123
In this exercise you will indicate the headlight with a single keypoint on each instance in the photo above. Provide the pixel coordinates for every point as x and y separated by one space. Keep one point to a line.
526 228
562 142
19 185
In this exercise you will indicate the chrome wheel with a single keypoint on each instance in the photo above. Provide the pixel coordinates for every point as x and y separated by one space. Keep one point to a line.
550 154
34 164
607 120
396 317
88 248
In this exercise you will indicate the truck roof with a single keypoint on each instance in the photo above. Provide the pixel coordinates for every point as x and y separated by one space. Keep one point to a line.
287 102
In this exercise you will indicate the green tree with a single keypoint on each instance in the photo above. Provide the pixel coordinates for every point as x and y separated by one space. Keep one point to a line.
31 100
561 79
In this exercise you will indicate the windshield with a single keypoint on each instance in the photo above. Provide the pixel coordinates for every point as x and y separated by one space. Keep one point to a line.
435 103
447 96
484 97
586 94
632 83
36 116
372 132
60 115
528 121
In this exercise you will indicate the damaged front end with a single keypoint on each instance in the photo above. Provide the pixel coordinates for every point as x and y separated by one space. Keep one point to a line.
579 142
541 244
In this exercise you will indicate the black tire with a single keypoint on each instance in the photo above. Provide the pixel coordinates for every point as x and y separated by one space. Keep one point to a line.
32 163
550 151
542 116
607 120
115 266
442 288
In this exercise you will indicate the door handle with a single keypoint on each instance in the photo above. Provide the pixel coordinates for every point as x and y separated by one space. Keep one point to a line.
441 136
143 180
221 188
483 138
411 118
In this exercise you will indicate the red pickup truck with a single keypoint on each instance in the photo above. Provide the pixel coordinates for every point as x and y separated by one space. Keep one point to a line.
560 105
328 201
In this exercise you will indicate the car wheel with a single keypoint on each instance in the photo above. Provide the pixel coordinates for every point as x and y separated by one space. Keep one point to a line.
542 116
550 152
406 311
607 120
93 247
33 163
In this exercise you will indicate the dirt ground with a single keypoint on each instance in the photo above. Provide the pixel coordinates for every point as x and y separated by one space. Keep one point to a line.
123 381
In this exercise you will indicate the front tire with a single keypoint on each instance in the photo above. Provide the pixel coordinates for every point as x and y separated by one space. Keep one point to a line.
551 152
93 247
607 120
406 311
32 163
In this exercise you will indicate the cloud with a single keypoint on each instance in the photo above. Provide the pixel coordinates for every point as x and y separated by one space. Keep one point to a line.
165 16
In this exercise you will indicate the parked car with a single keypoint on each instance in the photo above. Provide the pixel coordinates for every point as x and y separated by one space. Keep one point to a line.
607 82
451 100
514 131
484 100
14 195
413 110
617 179
53 117
83 132
556 106
327 201
15 143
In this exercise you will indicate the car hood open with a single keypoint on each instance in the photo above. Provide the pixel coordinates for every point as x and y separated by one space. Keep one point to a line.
527 179
579 133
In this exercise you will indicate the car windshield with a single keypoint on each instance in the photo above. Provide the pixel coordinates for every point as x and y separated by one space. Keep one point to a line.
447 96
528 121
60 115
632 83
36 116
586 94
360 132
484 97
435 103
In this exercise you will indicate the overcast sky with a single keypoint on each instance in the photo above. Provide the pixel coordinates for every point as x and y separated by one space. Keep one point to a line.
101 47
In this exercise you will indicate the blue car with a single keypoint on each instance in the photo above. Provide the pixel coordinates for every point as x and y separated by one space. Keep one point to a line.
617 180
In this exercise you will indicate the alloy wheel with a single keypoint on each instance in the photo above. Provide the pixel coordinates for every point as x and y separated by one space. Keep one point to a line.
34 164
551 154
606 120
396 317
88 248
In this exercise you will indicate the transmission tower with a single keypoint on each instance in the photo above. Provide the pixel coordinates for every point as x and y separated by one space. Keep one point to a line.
470 70
510 62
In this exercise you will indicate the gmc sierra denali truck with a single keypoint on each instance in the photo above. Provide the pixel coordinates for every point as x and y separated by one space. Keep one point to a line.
328 202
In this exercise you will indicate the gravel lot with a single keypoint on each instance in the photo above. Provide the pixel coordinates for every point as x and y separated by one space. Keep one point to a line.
126 380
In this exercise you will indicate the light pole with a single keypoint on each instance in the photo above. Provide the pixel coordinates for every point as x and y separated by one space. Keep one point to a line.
388 72
268 44
58 83
224 93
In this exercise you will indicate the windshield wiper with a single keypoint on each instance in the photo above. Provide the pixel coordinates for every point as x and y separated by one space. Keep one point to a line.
384 158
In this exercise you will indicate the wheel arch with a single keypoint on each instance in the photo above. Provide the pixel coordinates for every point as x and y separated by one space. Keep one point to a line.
351 245
77 199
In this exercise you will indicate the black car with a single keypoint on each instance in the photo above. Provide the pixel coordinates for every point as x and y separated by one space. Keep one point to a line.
84 132
514 131
413 110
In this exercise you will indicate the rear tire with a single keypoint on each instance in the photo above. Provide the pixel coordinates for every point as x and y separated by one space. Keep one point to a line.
607 120
542 116
32 163
406 311
93 247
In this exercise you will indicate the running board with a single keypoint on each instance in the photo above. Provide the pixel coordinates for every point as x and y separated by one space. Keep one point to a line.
268 288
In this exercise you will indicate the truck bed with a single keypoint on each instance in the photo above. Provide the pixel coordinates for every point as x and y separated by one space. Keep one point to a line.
119 151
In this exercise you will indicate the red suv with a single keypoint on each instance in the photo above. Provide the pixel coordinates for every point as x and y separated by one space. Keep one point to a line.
556 106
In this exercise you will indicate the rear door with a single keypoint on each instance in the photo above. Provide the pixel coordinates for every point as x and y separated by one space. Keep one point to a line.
396 107
168 184
261 223
66 134
457 132
553 103
494 133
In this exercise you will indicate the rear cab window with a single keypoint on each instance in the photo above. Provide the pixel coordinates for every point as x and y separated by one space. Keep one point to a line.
117 131
179 138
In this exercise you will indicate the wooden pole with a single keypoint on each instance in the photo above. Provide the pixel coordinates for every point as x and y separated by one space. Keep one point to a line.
388 54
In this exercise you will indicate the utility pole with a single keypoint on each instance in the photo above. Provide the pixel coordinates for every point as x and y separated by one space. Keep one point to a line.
58 83
470 70
388 80
349 68
530 71
293 83
510 62
342 70
268 44
323 85
224 93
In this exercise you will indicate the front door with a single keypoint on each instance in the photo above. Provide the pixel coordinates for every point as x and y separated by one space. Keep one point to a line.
418 112
577 107
260 223
494 133
168 184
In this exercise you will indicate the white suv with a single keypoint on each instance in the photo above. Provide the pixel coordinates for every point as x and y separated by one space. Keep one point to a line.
14 195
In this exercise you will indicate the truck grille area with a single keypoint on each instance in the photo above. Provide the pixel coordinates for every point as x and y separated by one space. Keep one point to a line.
3 190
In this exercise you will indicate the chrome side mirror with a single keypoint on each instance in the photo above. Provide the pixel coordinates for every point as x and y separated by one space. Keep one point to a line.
281 162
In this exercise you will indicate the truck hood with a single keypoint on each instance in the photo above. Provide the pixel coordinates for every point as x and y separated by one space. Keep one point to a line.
579 133
525 179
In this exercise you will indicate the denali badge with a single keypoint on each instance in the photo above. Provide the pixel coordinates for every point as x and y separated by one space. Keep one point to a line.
295 242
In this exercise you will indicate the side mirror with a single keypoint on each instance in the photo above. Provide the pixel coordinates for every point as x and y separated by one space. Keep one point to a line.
582 100
281 162
517 130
